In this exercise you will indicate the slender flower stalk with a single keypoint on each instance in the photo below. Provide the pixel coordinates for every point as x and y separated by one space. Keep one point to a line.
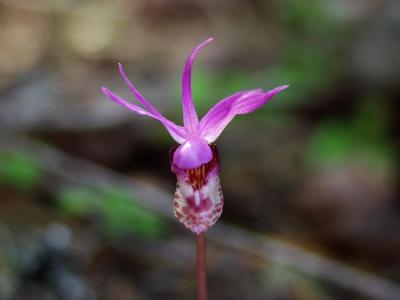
201 267
198 198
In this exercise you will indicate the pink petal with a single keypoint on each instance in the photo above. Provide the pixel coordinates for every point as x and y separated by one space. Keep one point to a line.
192 154
218 117
190 119
178 133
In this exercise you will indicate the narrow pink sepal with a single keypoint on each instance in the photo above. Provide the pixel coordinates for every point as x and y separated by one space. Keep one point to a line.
247 105
218 117
136 93
178 133
190 119
124 103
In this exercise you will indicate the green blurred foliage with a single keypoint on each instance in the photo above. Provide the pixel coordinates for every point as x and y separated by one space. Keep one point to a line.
308 60
361 140
311 18
120 214
298 13
279 277
308 70
78 201
312 42
19 169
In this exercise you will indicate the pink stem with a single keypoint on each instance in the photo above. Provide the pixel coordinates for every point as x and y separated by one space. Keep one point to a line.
201 268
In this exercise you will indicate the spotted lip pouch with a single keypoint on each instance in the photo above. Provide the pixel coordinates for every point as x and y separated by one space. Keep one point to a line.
198 198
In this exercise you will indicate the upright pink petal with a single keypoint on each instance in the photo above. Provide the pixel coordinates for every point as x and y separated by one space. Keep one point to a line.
190 119
218 117
178 133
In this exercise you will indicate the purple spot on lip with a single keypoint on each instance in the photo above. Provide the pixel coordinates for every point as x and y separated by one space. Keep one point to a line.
204 205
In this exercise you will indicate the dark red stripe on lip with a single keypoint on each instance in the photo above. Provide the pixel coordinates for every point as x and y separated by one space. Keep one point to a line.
198 176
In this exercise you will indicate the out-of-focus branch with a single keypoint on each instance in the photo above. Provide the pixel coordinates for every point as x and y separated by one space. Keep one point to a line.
66 169
25 108
305 261
43 102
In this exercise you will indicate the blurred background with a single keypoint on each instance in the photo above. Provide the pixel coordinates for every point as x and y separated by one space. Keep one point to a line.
311 180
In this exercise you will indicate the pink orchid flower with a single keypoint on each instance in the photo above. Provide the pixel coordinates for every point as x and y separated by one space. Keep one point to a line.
198 198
